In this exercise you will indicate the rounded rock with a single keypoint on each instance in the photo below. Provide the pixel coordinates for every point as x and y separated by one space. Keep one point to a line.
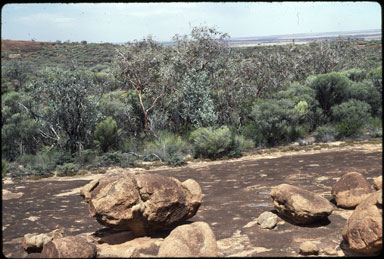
299 205
351 189
69 247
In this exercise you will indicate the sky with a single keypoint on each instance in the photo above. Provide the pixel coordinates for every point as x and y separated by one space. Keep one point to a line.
123 22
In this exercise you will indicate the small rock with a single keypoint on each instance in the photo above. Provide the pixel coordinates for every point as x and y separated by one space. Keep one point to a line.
69 247
35 242
363 230
299 205
351 189
378 182
330 251
309 248
267 220
190 240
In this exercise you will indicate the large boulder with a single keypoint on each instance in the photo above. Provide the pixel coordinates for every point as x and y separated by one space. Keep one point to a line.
69 247
299 205
140 202
363 230
351 189
137 247
190 240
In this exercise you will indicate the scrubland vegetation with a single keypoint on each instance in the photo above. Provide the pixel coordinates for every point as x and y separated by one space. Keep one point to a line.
69 107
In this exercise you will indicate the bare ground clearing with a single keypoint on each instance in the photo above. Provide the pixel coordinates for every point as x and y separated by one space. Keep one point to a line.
235 192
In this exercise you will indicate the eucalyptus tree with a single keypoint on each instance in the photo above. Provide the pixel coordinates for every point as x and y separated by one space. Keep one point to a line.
140 66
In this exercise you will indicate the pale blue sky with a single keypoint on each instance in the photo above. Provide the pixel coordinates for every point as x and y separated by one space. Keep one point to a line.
122 22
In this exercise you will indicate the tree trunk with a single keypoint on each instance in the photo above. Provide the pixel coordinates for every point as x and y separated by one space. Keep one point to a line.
146 121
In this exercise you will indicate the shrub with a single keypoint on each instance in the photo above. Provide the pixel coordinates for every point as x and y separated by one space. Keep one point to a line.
197 106
375 128
324 133
250 131
210 143
106 134
168 148
331 89
67 169
350 117
276 121
355 74
43 163
368 94
215 143
86 158
238 145
376 76
116 159
17 172
3 167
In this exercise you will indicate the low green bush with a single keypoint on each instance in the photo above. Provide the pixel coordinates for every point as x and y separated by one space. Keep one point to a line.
42 164
324 133
67 169
17 171
216 143
86 158
355 74
116 158
276 121
350 117
168 148
3 167
107 134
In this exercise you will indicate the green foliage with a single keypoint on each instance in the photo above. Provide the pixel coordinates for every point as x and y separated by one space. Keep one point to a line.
3 168
368 94
331 89
350 117
16 171
211 143
16 72
67 169
44 162
376 76
275 121
375 128
325 133
269 94
66 104
124 108
168 148
216 143
197 107
86 158
116 158
239 144
140 65
355 74
306 106
19 131
107 134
